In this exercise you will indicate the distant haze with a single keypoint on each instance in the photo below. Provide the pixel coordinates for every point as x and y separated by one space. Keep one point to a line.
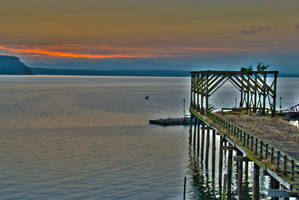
168 34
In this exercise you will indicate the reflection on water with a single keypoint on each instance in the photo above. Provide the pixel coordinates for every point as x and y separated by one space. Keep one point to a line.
89 138
203 172
202 186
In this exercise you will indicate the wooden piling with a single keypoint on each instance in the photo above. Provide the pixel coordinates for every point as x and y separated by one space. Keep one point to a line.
185 180
198 136
246 170
194 134
202 141
277 161
207 147
256 187
224 188
220 165
240 175
274 184
229 173
213 153
190 130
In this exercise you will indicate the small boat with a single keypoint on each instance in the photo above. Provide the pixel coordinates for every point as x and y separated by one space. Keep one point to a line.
146 97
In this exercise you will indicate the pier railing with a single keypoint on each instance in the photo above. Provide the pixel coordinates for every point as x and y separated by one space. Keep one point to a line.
257 149
271 156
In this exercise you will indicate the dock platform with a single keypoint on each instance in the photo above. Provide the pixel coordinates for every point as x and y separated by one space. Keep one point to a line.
253 130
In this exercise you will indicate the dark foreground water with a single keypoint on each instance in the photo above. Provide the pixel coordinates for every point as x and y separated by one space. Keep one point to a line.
89 138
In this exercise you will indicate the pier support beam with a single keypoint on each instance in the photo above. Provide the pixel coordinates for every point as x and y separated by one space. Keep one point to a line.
190 129
213 153
207 148
202 141
274 184
198 136
220 165
194 134
229 173
240 173
246 170
256 182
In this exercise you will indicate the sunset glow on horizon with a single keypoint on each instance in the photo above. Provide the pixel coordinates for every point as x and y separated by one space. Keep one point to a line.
149 29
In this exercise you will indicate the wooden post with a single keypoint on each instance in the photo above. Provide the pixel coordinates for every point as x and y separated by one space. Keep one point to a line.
213 153
256 144
261 149
202 141
207 147
264 93
251 146
274 95
285 164
229 173
248 103
247 143
274 184
194 93
266 153
191 98
194 134
256 187
220 165
284 188
225 144
246 170
190 130
241 97
272 155
224 188
207 92
201 103
277 161
240 175
185 188
197 91
201 94
293 170
198 137
255 94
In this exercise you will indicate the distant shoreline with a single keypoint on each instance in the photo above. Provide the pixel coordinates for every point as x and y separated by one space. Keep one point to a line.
129 72
165 73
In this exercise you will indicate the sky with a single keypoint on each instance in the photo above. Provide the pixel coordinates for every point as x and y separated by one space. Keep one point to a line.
196 33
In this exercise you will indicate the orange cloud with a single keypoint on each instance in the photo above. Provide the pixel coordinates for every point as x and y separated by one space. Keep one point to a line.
52 53
112 51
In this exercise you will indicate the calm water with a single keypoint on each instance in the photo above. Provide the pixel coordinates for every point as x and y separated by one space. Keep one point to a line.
89 138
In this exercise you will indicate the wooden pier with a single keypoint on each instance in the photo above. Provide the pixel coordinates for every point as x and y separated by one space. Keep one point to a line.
252 130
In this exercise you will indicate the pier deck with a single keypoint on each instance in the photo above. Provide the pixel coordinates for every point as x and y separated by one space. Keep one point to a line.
274 151
274 131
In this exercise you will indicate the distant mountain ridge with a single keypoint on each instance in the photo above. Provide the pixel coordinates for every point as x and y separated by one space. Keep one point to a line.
127 72
12 65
